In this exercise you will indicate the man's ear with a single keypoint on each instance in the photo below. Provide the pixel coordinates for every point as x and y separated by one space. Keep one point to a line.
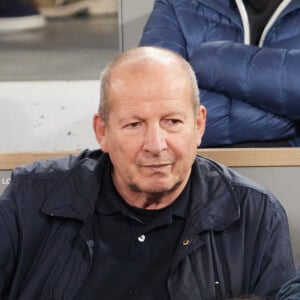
201 122
100 132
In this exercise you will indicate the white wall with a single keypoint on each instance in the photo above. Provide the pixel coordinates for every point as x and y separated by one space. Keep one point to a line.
47 116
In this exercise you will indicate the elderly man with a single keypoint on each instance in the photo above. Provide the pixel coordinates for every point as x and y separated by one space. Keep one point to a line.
144 218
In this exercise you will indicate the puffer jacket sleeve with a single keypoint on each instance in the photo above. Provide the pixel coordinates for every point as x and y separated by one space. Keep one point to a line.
9 238
290 290
162 29
265 77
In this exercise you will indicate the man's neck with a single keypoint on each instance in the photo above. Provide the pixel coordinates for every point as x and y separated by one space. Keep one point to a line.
149 200
153 201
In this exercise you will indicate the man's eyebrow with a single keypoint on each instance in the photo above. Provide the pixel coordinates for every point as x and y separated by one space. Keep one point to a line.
176 114
132 118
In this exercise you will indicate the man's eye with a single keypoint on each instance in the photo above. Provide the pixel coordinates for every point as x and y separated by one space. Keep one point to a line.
174 121
133 125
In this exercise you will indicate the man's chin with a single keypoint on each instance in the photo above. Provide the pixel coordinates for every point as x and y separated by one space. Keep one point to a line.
155 188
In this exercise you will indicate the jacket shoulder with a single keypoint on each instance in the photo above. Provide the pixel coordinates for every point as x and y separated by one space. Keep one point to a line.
55 167
231 176
235 180
240 195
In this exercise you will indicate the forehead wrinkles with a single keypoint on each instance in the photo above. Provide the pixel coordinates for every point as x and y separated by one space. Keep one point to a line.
140 71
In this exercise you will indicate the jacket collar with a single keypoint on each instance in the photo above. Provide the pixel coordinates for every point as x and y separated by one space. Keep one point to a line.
224 7
294 4
215 204
76 195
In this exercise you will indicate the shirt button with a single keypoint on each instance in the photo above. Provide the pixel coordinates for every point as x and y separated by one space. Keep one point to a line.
141 238
185 242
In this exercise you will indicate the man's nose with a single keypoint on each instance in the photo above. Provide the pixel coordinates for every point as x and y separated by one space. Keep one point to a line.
155 139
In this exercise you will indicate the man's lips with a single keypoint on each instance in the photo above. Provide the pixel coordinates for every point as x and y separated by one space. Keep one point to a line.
156 166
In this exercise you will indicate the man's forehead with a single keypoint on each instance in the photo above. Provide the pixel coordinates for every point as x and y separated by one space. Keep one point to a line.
145 62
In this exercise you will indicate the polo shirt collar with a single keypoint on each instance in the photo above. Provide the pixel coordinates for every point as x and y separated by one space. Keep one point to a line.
110 201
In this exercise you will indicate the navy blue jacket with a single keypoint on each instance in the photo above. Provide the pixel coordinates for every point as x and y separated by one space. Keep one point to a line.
251 92
237 233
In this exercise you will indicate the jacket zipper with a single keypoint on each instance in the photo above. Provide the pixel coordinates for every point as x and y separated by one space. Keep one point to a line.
272 20
245 20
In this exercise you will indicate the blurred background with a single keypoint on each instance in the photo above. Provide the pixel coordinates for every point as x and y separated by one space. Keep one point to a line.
56 39
51 55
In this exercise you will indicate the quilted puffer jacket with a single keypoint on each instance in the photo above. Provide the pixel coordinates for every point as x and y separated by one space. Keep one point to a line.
252 93
290 290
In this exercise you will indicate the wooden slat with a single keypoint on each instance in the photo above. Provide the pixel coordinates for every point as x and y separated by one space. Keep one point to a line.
233 157
254 157
9 161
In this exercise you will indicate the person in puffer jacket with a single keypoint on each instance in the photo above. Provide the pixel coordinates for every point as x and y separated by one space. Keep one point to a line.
246 55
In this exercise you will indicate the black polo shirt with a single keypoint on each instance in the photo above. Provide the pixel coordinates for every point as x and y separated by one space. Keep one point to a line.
133 248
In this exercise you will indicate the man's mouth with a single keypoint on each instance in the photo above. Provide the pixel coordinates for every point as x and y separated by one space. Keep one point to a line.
156 166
